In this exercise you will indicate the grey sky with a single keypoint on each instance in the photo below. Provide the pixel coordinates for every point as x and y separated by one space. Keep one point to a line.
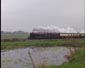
27 14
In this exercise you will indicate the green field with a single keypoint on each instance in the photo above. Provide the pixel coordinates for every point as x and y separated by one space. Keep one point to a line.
78 62
43 43
9 36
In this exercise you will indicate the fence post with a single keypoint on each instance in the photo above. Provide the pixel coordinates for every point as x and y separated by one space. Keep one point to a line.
31 58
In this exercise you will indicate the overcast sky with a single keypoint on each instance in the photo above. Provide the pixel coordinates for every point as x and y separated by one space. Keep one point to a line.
27 14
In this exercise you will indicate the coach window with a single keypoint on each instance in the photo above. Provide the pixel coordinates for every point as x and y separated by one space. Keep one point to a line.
70 34
61 34
66 34
76 34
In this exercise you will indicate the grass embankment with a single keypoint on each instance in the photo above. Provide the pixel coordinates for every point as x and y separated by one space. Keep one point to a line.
12 35
78 62
42 43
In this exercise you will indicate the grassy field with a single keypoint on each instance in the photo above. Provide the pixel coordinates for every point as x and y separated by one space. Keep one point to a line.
9 36
43 43
78 62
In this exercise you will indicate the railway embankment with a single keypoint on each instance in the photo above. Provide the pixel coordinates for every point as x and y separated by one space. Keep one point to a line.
7 45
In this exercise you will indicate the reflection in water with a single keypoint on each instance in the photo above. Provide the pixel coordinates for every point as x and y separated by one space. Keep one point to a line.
20 58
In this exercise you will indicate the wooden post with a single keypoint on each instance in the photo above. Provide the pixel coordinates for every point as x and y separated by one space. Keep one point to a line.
31 59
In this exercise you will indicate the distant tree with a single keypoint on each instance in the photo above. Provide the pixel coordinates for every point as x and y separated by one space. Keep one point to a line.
20 32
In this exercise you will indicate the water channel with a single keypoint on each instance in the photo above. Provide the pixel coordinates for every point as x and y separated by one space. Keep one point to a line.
20 58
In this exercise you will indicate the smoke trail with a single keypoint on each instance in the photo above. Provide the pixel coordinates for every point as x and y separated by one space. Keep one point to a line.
55 29
82 31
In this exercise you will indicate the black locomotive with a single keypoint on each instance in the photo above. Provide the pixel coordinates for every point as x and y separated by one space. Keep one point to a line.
56 35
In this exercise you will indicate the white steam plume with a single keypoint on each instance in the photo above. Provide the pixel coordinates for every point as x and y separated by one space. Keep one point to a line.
55 29
82 31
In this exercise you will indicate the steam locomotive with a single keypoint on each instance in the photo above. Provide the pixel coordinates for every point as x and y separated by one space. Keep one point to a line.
56 35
